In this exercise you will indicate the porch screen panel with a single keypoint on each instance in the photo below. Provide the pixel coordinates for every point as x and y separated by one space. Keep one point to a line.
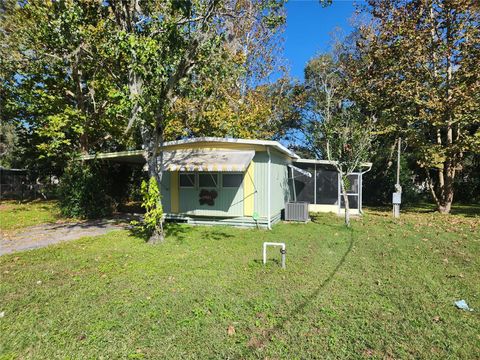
352 201
327 186
305 186
353 183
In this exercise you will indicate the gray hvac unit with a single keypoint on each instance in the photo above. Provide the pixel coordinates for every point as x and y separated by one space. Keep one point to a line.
296 211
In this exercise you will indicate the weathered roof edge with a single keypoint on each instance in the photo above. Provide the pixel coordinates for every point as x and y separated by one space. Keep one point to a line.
274 144
2 168
111 155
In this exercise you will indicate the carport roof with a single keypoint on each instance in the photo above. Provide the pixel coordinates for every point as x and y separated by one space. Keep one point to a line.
133 156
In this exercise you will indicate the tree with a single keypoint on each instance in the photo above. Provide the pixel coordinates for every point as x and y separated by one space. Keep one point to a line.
8 134
82 72
378 183
169 49
416 65
60 86
467 185
8 142
335 129
264 112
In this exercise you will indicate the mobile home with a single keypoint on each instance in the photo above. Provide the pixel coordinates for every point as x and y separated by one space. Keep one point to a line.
240 182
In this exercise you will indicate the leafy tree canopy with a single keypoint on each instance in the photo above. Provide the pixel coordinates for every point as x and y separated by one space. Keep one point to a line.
415 65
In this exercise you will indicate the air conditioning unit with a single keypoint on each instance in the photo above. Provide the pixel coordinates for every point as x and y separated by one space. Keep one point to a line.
296 211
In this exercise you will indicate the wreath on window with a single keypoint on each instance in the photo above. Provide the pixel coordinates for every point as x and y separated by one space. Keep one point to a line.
207 197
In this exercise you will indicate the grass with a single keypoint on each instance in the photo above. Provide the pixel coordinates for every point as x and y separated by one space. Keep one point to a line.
469 210
14 215
465 210
384 289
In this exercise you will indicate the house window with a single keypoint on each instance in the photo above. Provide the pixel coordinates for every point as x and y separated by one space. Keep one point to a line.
207 180
232 180
187 180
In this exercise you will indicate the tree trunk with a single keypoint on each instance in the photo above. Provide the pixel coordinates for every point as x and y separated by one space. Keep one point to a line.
450 163
345 200
443 191
445 209
445 197
81 106
158 235
126 14
155 170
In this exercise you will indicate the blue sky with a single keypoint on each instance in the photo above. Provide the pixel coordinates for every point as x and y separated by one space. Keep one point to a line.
309 30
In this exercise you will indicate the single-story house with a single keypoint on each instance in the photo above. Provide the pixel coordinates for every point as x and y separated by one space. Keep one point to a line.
241 182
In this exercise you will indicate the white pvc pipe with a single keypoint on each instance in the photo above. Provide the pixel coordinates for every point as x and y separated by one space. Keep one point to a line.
269 189
283 252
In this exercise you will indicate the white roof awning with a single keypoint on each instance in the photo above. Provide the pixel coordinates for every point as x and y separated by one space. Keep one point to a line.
206 160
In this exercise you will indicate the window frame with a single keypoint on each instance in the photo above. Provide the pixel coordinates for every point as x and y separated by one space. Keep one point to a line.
187 187
242 175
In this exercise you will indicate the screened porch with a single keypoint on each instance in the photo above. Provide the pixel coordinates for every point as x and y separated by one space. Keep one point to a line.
322 189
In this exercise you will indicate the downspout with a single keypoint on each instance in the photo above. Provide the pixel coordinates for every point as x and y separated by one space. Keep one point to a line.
293 186
339 211
360 195
269 189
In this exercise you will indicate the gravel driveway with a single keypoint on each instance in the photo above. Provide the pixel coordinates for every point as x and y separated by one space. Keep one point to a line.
46 234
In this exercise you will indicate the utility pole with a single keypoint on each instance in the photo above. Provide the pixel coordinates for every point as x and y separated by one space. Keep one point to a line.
397 195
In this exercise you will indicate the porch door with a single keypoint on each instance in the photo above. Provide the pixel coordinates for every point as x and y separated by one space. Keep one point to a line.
353 191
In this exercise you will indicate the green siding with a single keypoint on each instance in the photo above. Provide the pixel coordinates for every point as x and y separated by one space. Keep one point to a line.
229 202
279 178
261 167
279 183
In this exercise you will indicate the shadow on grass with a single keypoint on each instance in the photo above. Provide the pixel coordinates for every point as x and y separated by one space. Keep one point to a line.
175 230
216 234
467 210
301 308
171 230
270 261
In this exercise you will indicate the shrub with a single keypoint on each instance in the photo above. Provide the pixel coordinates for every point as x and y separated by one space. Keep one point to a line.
84 191
153 219
152 205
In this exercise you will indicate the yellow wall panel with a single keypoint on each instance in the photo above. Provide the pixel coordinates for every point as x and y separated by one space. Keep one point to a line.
249 190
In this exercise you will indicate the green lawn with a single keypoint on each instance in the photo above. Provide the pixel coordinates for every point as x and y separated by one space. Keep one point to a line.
383 290
14 215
